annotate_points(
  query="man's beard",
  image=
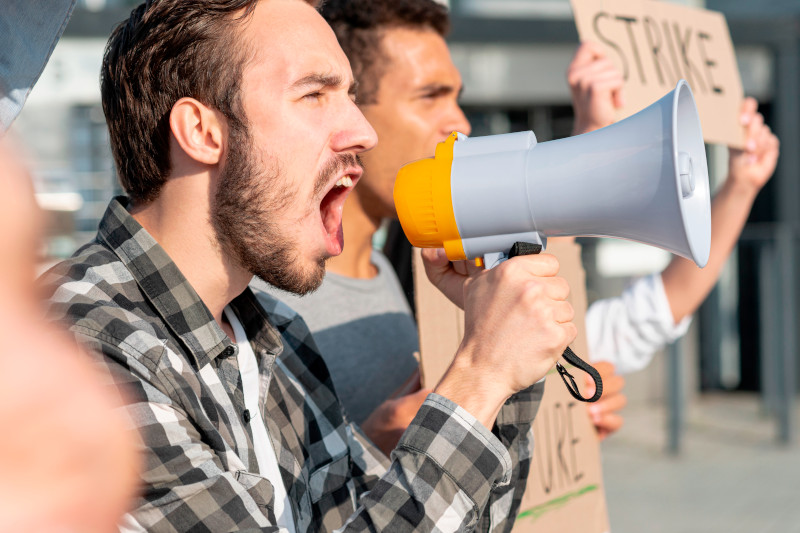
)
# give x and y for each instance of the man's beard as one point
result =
(247, 211)
(247, 207)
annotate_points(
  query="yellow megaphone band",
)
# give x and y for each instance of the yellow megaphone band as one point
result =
(424, 203)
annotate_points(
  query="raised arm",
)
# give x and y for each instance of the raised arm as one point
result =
(686, 285)
(597, 92)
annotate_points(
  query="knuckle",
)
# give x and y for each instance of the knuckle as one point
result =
(569, 312)
(507, 271)
(571, 331)
(550, 263)
(553, 343)
(533, 291)
(561, 286)
(469, 282)
(553, 338)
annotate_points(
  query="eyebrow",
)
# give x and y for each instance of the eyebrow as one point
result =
(440, 89)
(323, 81)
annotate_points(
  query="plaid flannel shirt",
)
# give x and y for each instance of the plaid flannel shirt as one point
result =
(124, 299)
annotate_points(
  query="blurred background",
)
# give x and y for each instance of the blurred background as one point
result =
(710, 437)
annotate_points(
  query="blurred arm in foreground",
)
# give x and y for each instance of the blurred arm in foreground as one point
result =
(67, 461)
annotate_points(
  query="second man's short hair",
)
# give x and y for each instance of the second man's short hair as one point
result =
(359, 27)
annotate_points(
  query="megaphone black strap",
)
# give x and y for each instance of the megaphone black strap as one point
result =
(572, 387)
(527, 248)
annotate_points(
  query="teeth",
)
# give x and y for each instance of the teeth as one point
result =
(346, 181)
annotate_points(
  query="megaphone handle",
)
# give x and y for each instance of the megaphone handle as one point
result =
(526, 248)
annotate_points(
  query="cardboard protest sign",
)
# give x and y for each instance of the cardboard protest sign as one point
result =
(655, 44)
(565, 487)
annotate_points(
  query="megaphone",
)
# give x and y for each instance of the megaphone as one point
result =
(644, 178)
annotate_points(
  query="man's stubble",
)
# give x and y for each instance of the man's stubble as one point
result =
(248, 215)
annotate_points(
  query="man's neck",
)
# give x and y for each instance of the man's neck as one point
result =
(359, 226)
(186, 234)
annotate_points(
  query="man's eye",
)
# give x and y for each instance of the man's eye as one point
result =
(436, 94)
(316, 95)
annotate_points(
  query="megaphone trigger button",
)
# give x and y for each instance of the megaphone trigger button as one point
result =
(479, 262)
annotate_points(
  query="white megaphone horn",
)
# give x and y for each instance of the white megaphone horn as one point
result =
(644, 179)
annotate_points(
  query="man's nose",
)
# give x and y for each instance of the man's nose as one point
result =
(357, 133)
(456, 121)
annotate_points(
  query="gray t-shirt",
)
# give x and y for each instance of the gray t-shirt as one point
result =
(365, 332)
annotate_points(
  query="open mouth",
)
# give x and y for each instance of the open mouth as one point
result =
(331, 208)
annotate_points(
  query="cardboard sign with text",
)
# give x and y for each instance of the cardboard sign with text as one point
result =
(565, 487)
(655, 44)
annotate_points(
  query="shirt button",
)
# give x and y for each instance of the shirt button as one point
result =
(227, 352)
(246, 416)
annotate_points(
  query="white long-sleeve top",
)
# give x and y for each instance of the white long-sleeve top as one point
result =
(627, 330)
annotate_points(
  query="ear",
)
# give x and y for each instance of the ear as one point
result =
(198, 130)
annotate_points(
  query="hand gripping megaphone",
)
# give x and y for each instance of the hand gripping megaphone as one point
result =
(644, 178)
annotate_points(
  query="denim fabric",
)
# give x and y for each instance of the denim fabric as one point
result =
(29, 30)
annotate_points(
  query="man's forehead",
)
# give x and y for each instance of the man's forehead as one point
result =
(419, 57)
(293, 43)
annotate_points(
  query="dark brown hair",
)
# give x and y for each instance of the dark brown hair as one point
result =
(167, 50)
(359, 26)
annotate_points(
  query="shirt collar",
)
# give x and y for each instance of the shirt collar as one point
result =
(253, 318)
(163, 284)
